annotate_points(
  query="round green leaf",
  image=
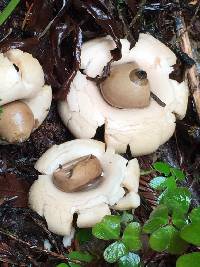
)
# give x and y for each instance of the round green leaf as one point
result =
(178, 174)
(126, 217)
(162, 167)
(62, 265)
(171, 183)
(160, 239)
(177, 245)
(195, 215)
(191, 233)
(108, 228)
(83, 235)
(131, 236)
(71, 264)
(158, 218)
(80, 255)
(177, 199)
(115, 251)
(189, 260)
(130, 260)
(179, 219)
(158, 183)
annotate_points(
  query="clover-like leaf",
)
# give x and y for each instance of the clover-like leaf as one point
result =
(160, 239)
(71, 264)
(189, 260)
(191, 233)
(81, 256)
(83, 235)
(177, 245)
(115, 251)
(171, 183)
(195, 215)
(158, 218)
(179, 174)
(179, 219)
(108, 228)
(129, 260)
(162, 167)
(177, 199)
(126, 217)
(131, 236)
(158, 183)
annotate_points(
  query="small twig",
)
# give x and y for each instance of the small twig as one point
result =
(139, 13)
(26, 16)
(157, 99)
(7, 34)
(146, 172)
(38, 249)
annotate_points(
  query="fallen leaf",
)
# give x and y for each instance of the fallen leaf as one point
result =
(12, 186)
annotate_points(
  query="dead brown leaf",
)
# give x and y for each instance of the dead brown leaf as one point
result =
(11, 186)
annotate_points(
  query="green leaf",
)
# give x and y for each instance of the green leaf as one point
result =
(8, 10)
(177, 245)
(162, 167)
(191, 233)
(130, 260)
(115, 251)
(161, 196)
(189, 260)
(158, 183)
(62, 265)
(177, 199)
(195, 215)
(179, 219)
(80, 255)
(74, 265)
(171, 183)
(126, 217)
(83, 235)
(108, 228)
(160, 239)
(158, 218)
(131, 236)
(180, 175)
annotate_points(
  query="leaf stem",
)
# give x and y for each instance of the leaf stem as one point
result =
(146, 172)
(8, 10)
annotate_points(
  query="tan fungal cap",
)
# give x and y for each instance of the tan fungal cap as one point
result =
(126, 87)
(77, 174)
(16, 122)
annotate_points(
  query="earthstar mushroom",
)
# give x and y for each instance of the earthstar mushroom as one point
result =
(144, 126)
(119, 177)
(22, 89)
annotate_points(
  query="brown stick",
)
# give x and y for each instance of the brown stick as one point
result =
(192, 73)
